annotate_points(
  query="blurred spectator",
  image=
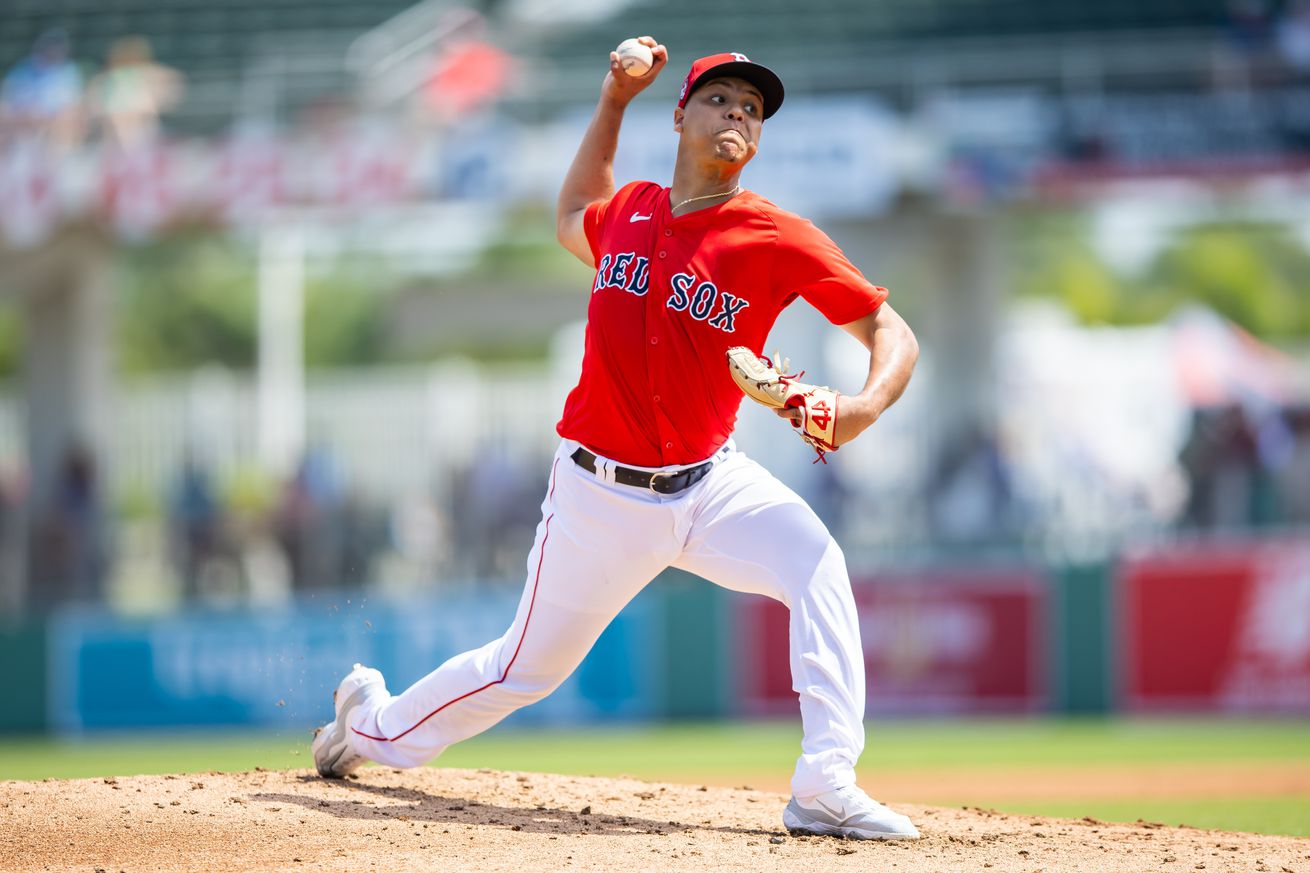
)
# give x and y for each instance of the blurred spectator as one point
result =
(468, 72)
(331, 536)
(42, 94)
(420, 534)
(362, 533)
(70, 558)
(1294, 480)
(198, 532)
(1293, 35)
(1220, 461)
(494, 513)
(1274, 444)
(13, 529)
(303, 522)
(970, 496)
(1244, 50)
(129, 95)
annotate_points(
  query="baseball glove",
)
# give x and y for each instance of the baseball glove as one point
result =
(777, 389)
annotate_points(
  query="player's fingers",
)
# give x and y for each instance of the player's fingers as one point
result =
(660, 54)
(648, 41)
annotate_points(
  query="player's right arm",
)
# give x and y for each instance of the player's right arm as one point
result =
(591, 176)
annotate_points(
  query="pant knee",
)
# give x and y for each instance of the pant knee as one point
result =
(833, 558)
(526, 688)
(802, 543)
(814, 556)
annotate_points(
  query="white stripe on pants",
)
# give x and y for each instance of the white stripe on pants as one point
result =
(597, 546)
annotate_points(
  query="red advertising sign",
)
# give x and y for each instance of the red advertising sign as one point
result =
(952, 641)
(1218, 627)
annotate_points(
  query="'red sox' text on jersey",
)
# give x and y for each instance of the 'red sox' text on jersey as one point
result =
(670, 296)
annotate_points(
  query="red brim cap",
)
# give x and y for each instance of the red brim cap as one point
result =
(738, 65)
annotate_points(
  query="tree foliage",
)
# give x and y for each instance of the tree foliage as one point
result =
(1257, 275)
(192, 300)
(186, 301)
(344, 316)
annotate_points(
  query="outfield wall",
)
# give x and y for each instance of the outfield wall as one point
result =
(1212, 628)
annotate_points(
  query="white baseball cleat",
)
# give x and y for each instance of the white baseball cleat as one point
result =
(333, 755)
(846, 812)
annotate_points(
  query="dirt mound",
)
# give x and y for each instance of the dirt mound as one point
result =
(437, 819)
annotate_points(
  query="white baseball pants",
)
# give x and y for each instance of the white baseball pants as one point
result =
(597, 546)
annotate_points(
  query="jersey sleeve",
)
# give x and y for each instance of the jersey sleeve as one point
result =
(808, 263)
(595, 220)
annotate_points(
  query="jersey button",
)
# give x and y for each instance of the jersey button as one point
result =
(663, 255)
(657, 398)
(668, 445)
(668, 232)
(654, 340)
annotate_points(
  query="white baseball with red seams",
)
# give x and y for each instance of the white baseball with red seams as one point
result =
(635, 57)
(647, 476)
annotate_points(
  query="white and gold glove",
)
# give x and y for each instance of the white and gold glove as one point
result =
(774, 387)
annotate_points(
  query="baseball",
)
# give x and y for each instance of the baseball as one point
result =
(635, 57)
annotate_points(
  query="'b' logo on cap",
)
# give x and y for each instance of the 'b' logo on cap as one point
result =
(738, 56)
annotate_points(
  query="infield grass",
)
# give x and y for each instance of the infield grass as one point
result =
(762, 754)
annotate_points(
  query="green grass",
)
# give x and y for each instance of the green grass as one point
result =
(744, 751)
(755, 747)
(1257, 815)
(721, 748)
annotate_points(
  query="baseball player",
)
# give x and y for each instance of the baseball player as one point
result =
(647, 476)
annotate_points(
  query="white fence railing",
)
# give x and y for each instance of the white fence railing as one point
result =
(388, 431)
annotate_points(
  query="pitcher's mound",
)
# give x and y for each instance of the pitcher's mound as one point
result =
(436, 819)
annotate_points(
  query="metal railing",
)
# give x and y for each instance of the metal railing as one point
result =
(907, 70)
(394, 59)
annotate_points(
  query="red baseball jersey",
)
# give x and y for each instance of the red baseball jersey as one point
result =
(671, 296)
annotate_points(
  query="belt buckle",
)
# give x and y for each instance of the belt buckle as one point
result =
(654, 477)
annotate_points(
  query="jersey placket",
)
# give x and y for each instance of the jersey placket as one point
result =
(659, 334)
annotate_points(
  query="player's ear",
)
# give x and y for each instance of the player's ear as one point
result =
(678, 113)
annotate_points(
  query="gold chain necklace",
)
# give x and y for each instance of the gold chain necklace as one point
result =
(735, 189)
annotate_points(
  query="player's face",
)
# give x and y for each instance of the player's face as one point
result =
(723, 118)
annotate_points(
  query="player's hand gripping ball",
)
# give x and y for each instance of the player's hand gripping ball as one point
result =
(635, 57)
(773, 386)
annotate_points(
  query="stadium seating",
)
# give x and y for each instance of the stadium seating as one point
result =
(820, 42)
(188, 34)
(782, 25)
(212, 42)
(885, 45)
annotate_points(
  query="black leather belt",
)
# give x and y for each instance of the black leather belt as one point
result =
(659, 482)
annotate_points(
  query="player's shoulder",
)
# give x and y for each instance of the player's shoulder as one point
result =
(634, 197)
(638, 193)
(790, 226)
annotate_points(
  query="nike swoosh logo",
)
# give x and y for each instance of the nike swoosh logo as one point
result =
(839, 814)
(635, 218)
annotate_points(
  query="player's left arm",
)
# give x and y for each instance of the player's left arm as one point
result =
(893, 351)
